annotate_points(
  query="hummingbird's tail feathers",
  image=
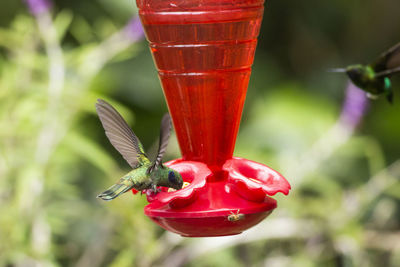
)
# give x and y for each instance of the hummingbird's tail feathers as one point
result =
(341, 70)
(389, 97)
(114, 191)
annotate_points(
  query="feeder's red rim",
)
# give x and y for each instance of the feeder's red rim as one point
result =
(206, 213)
(279, 185)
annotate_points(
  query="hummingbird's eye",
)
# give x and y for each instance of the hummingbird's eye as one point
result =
(171, 177)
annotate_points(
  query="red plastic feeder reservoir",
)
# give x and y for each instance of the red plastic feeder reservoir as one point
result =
(203, 50)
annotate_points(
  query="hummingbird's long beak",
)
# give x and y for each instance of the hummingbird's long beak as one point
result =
(341, 70)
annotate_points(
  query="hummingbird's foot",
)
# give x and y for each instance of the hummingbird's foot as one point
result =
(155, 189)
(372, 96)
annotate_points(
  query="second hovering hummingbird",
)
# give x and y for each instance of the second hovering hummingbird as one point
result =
(374, 78)
(145, 174)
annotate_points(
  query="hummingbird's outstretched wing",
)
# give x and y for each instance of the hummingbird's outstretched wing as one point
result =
(386, 73)
(388, 59)
(165, 133)
(120, 134)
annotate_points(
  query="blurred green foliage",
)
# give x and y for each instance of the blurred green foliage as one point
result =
(344, 208)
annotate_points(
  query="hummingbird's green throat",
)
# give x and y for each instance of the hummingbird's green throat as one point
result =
(145, 174)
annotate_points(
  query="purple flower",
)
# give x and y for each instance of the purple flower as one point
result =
(354, 107)
(134, 29)
(37, 7)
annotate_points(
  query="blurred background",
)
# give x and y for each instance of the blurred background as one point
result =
(339, 150)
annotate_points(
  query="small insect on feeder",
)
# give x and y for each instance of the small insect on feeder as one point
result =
(203, 50)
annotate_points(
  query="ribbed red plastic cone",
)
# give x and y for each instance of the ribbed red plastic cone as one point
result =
(203, 50)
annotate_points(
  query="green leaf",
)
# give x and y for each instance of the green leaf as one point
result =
(90, 151)
(62, 23)
(81, 30)
(124, 258)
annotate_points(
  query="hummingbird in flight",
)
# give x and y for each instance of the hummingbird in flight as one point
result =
(374, 78)
(146, 174)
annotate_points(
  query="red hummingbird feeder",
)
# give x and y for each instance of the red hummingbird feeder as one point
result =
(203, 50)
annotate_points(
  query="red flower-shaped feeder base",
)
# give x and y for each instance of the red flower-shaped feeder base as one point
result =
(217, 203)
